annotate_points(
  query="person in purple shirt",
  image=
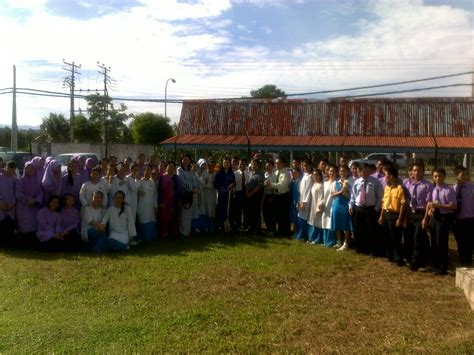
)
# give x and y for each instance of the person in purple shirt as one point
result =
(364, 206)
(52, 184)
(438, 218)
(408, 180)
(82, 171)
(71, 182)
(7, 204)
(70, 222)
(49, 231)
(464, 223)
(416, 242)
(378, 174)
(38, 164)
(30, 197)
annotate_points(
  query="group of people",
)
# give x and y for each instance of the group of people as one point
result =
(371, 207)
(112, 205)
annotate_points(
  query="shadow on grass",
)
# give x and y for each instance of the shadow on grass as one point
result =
(169, 247)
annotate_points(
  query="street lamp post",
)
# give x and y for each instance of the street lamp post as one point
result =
(166, 92)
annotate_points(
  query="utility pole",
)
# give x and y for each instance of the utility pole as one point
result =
(70, 81)
(14, 138)
(105, 72)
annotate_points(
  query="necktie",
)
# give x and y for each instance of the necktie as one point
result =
(414, 202)
(437, 200)
(362, 194)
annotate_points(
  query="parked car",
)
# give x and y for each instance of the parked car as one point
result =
(399, 159)
(20, 158)
(64, 159)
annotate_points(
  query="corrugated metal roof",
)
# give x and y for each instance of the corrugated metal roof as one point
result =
(337, 117)
(325, 143)
(461, 143)
(400, 124)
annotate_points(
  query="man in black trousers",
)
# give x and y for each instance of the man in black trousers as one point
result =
(364, 206)
(281, 197)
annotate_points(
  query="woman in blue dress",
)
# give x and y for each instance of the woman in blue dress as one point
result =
(340, 217)
(295, 197)
(224, 182)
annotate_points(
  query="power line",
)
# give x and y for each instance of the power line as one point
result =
(405, 91)
(380, 85)
(71, 81)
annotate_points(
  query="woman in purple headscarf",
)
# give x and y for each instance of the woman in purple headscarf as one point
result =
(29, 196)
(82, 169)
(52, 184)
(49, 231)
(70, 222)
(7, 204)
(72, 182)
(38, 164)
(47, 161)
(90, 164)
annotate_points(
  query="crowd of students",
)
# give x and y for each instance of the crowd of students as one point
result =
(117, 204)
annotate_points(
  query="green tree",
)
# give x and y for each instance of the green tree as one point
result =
(150, 128)
(86, 131)
(268, 91)
(118, 132)
(55, 128)
(5, 137)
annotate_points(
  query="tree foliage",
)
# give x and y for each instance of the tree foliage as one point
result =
(55, 128)
(25, 137)
(268, 91)
(86, 131)
(150, 128)
(115, 118)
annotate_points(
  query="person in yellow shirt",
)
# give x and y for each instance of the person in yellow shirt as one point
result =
(392, 216)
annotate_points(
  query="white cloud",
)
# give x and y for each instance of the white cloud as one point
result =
(403, 40)
(264, 3)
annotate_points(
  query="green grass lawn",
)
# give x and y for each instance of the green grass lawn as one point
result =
(226, 294)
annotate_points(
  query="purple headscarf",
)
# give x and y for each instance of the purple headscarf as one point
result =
(51, 184)
(31, 185)
(39, 170)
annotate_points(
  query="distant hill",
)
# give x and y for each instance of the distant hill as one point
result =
(22, 127)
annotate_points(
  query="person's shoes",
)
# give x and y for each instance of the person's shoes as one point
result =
(337, 246)
(270, 234)
(133, 243)
(345, 246)
(400, 263)
(312, 243)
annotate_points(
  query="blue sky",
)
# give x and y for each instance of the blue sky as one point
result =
(225, 48)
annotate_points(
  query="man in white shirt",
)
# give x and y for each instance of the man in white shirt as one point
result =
(280, 183)
(237, 196)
